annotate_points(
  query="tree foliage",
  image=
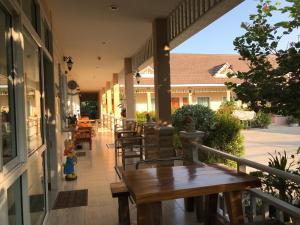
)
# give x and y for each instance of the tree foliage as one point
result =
(272, 82)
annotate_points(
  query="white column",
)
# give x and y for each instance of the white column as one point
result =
(190, 98)
(129, 90)
(228, 96)
(149, 102)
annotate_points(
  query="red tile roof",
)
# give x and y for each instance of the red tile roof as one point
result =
(200, 68)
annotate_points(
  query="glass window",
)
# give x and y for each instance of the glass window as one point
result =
(33, 94)
(14, 201)
(203, 101)
(175, 103)
(31, 9)
(47, 36)
(7, 118)
(36, 191)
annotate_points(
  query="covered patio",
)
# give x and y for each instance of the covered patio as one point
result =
(126, 172)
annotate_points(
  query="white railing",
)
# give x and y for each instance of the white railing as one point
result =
(256, 196)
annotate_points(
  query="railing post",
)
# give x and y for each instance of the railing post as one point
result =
(241, 168)
(252, 215)
(265, 210)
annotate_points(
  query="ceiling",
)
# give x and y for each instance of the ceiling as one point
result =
(88, 29)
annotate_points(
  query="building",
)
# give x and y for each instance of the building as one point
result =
(195, 79)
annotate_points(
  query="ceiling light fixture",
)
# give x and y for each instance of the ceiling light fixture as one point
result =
(114, 7)
(68, 60)
(138, 77)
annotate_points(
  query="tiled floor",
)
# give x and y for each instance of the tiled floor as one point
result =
(95, 173)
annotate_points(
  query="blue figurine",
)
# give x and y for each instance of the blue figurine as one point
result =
(70, 161)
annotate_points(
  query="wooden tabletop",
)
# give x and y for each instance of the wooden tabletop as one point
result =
(165, 183)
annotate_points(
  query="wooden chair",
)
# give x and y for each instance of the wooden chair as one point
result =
(83, 135)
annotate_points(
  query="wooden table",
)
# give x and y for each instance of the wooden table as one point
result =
(149, 187)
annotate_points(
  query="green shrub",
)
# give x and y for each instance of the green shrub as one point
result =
(227, 107)
(279, 187)
(202, 116)
(226, 136)
(262, 120)
(141, 116)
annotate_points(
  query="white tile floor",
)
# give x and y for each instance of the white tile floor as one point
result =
(95, 173)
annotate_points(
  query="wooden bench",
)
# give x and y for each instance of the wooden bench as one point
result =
(120, 191)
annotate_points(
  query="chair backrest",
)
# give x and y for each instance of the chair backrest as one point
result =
(130, 125)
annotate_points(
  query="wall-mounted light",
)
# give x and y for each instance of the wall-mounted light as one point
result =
(68, 60)
(138, 77)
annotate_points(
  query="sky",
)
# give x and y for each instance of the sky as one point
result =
(218, 37)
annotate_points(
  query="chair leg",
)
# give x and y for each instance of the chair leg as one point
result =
(199, 204)
(189, 204)
(234, 206)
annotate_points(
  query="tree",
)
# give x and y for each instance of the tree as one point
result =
(272, 83)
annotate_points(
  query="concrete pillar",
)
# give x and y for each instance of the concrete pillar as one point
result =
(149, 102)
(190, 98)
(161, 61)
(108, 97)
(116, 95)
(228, 96)
(129, 89)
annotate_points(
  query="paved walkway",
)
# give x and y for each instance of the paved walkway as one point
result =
(260, 142)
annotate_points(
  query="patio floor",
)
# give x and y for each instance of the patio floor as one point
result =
(95, 173)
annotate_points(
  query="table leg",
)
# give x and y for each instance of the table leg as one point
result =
(211, 216)
(234, 207)
(149, 214)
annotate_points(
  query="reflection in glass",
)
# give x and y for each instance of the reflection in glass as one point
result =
(31, 10)
(14, 202)
(6, 91)
(33, 93)
(36, 190)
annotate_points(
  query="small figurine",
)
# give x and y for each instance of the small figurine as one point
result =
(70, 161)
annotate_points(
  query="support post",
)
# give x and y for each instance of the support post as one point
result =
(109, 97)
(190, 98)
(161, 61)
(149, 103)
(129, 90)
(117, 101)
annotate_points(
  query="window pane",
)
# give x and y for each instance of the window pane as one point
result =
(185, 101)
(203, 101)
(33, 94)
(14, 201)
(6, 92)
(36, 190)
(175, 103)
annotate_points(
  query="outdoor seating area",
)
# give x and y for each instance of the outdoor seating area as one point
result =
(216, 193)
(84, 132)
